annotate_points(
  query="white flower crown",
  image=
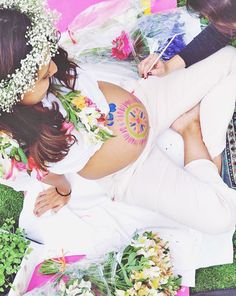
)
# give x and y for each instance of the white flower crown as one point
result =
(42, 36)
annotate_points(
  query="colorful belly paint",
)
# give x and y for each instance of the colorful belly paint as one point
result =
(132, 121)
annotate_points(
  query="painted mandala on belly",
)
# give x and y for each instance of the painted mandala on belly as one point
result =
(133, 122)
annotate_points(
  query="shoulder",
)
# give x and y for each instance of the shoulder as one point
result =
(213, 33)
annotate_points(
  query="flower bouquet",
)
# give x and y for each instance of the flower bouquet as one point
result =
(97, 32)
(83, 115)
(113, 40)
(142, 268)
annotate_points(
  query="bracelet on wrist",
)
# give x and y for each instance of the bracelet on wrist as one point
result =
(63, 194)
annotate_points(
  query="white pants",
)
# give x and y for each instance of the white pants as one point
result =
(194, 195)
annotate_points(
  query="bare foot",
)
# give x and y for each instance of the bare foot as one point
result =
(187, 121)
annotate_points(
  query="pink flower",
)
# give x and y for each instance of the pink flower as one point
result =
(10, 173)
(89, 103)
(68, 127)
(71, 35)
(20, 166)
(33, 166)
(122, 48)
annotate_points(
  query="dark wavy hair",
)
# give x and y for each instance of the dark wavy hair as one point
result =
(222, 13)
(36, 128)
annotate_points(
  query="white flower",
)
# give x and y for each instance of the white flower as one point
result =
(85, 284)
(120, 293)
(5, 164)
(62, 286)
(143, 242)
(152, 272)
(73, 292)
(137, 285)
(147, 253)
(132, 292)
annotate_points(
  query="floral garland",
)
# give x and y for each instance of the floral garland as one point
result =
(82, 114)
(42, 36)
(13, 158)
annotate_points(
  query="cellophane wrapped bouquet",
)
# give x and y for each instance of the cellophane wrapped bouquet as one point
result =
(142, 268)
(119, 31)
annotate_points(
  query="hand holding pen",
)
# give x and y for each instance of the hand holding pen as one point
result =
(153, 65)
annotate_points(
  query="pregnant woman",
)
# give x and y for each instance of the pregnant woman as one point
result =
(56, 118)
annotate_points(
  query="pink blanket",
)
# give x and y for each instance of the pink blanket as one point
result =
(71, 8)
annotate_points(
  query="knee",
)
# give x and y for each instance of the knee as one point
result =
(220, 218)
(220, 225)
(228, 51)
(229, 54)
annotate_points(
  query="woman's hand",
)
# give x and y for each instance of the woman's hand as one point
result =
(50, 200)
(159, 69)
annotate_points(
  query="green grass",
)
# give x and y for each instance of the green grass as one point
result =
(217, 277)
(10, 204)
(181, 2)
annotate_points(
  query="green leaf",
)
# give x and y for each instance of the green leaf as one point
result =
(22, 155)
(73, 118)
(131, 258)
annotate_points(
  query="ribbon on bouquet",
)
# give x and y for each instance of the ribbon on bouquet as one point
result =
(39, 279)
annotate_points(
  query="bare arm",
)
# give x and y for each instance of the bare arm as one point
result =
(203, 45)
(51, 199)
(58, 181)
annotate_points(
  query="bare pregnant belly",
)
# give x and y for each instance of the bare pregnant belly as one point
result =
(128, 120)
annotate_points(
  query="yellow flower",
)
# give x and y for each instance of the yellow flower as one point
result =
(155, 283)
(144, 291)
(137, 275)
(79, 102)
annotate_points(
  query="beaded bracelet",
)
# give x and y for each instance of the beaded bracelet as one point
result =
(63, 194)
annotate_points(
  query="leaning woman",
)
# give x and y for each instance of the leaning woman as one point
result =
(56, 118)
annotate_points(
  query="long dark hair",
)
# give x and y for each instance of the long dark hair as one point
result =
(222, 13)
(36, 128)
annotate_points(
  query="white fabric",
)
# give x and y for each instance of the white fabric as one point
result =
(93, 224)
(83, 149)
(172, 190)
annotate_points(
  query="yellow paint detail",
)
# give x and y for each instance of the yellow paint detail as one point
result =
(146, 4)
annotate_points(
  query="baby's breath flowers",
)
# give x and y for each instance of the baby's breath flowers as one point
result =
(42, 36)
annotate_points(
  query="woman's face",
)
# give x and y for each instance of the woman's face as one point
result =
(41, 85)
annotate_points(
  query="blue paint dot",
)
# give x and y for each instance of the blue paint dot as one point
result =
(110, 116)
(112, 107)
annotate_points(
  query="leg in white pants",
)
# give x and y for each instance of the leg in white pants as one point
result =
(196, 195)
(169, 97)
